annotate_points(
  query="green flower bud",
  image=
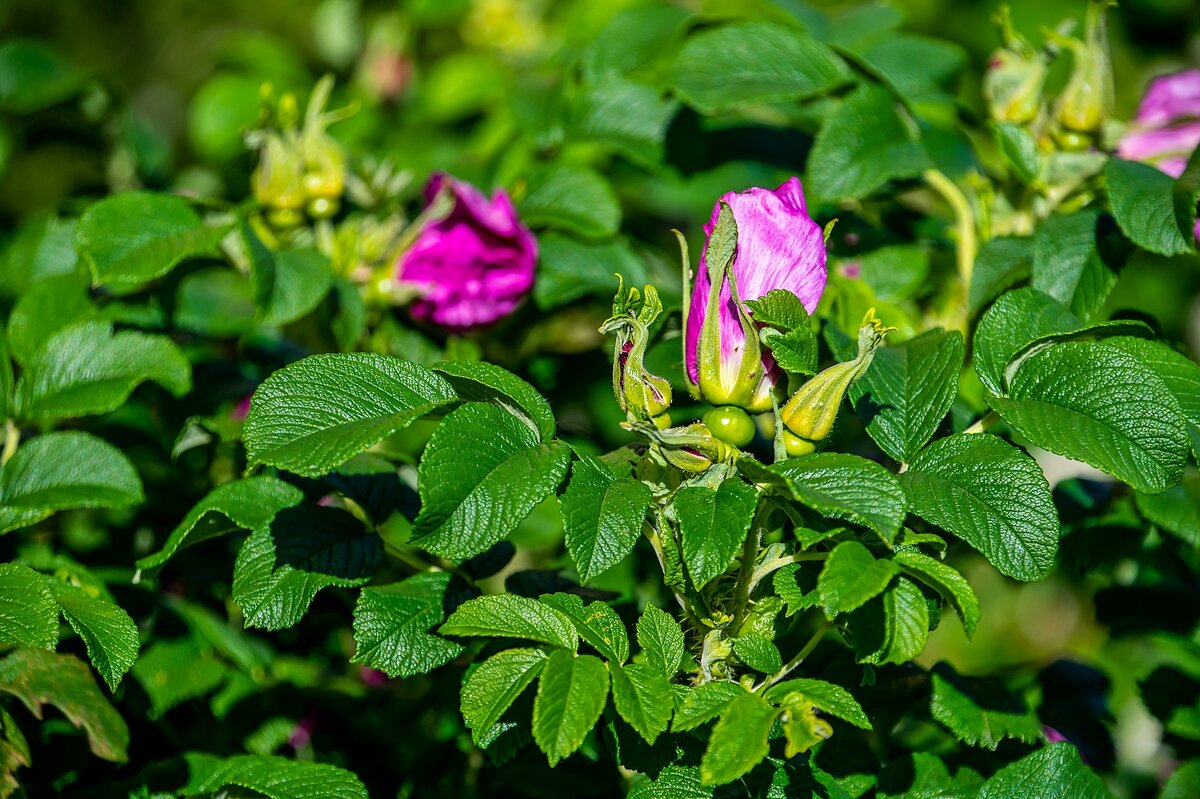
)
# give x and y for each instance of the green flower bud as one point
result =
(640, 394)
(811, 411)
(1087, 100)
(277, 181)
(690, 448)
(1012, 84)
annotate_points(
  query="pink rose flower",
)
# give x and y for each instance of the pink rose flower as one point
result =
(472, 267)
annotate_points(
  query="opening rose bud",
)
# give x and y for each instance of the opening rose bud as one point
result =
(472, 266)
(756, 241)
(640, 394)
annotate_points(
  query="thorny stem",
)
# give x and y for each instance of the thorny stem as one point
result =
(746, 575)
(12, 437)
(983, 424)
(791, 665)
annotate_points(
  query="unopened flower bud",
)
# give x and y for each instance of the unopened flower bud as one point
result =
(640, 394)
(811, 411)
(1087, 100)
(1016, 72)
(690, 448)
(278, 180)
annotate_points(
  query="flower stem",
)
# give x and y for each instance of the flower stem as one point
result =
(791, 665)
(12, 437)
(989, 419)
(964, 220)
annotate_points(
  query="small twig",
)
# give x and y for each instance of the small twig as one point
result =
(989, 419)
(791, 665)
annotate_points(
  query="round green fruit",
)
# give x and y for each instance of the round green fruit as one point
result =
(731, 425)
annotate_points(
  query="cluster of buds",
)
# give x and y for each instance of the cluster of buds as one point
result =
(301, 168)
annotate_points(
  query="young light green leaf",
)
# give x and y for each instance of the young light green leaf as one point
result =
(744, 63)
(280, 569)
(847, 487)
(713, 525)
(947, 581)
(483, 471)
(704, 703)
(863, 144)
(661, 639)
(852, 576)
(57, 471)
(757, 652)
(110, 635)
(1055, 772)
(1176, 510)
(1020, 148)
(495, 685)
(1100, 405)
(739, 740)
(512, 616)
(981, 712)
(573, 198)
(597, 624)
(247, 504)
(643, 697)
(38, 678)
(174, 671)
(832, 699)
(673, 782)
(86, 368)
(1076, 258)
(280, 778)
(129, 239)
(314, 415)
(891, 628)
(603, 516)
(572, 692)
(1142, 200)
(477, 381)
(908, 390)
(990, 494)
(28, 612)
(392, 622)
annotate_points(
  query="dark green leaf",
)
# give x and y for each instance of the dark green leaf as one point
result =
(1176, 510)
(477, 381)
(392, 623)
(1142, 200)
(569, 269)
(1002, 262)
(33, 77)
(573, 198)
(495, 685)
(512, 616)
(1179, 374)
(713, 525)
(673, 782)
(891, 628)
(603, 516)
(1055, 772)
(1075, 260)
(643, 697)
(947, 581)
(981, 712)
(28, 612)
(847, 487)
(597, 624)
(572, 692)
(1020, 148)
(280, 778)
(110, 635)
(630, 118)
(49, 305)
(852, 576)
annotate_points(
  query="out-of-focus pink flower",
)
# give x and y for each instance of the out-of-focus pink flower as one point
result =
(778, 247)
(301, 734)
(473, 266)
(372, 678)
(238, 412)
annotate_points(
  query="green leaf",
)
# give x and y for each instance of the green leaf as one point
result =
(6, 378)
(713, 525)
(314, 415)
(673, 782)
(1020, 148)
(852, 576)
(38, 678)
(1100, 405)
(58, 471)
(129, 239)
(704, 703)
(863, 144)
(392, 623)
(990, 494)
(757, 652)
(847, 487)
(247, 504)
(779, 308)
(661, 639)
(897, 272)
(477, 381)
(632, 40)
(788, 587)
(569, 269)
(627, 117)
(921, 775)
(572, 198)
(597, 624)
(483, 471)
(947, 581)
(602, 515)
(1142, 200)
(572, 692)
(214, 301)
(1179, 374)
(1055, 772)
(832, 699)
(788, 333)
(1185, 195)
(48, 306)
(1016, 320)
(28, 612)
(1002, 262)
(981, 712)
(495, 685)
(512, 616)
(34, 77)
(172, 672)
(643, 697)
(1184, 783)
(280, 569)
(302, 278)
(1176, 510)
(908, 390)
(1075, 260)
(891, 628)
(280, 778)
(86, 368)
(739, 740)
(110, 635)
(744, 63)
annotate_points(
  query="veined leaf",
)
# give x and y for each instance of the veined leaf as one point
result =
(495, 685)
(1055, 772)
(280, 778)
(572, 692)
(947, 581)
(512, 616)
(847, 487)
(852, 576)
(392, 622)
(891, 628)
(713, 526)
(704, 703)
(1142, 201)
(174, 671)
(110, 635)
(597, 624)
(603, 516)
(833, 699)
(643, 697)
(28, 612)
(661, 639)
(1076, 258)
(477, 381)
(739, 740)
(757, 652)
(981, 712)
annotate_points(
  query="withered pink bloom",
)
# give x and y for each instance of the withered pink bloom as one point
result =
(778, 247)
(472, 267)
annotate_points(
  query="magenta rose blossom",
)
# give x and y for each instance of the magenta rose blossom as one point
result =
(472, 267)
(778, 247)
